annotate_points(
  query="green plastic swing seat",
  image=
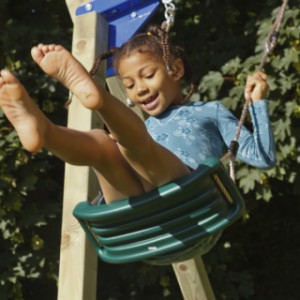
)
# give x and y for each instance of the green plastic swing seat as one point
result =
(172, 223)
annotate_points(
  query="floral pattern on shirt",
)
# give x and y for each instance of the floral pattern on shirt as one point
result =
(200, 130)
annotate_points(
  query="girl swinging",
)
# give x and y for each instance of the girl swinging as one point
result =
(136, 157)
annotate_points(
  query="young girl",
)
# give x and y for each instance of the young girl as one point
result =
(135, 158)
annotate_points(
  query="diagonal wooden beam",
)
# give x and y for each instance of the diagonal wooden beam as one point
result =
(193, 280)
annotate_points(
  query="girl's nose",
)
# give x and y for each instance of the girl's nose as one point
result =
(142, 89)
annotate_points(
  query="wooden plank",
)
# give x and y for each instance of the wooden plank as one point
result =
(193, 280)
(78, 261)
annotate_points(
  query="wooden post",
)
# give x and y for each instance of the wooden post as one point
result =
(78, 261)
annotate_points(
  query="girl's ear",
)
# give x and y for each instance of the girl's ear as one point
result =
(177, 70)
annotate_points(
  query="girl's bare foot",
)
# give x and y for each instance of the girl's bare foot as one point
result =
(59, 63)
(28, 120)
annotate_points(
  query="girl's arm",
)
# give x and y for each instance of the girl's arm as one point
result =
(257, 147)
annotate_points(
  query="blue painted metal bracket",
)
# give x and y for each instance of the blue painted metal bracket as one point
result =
(125, 18)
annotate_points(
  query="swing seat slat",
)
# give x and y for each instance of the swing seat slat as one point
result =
(166, 214)
(167, 226)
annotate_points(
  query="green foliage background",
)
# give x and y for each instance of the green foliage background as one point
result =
(258, 258)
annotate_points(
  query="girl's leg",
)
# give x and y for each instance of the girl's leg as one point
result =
(94, 148)
(22, 112)
(154, 164)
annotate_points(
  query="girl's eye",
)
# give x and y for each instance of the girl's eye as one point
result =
(150, 76)
(129, 87)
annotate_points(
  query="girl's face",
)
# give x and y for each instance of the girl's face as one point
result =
(149, 84)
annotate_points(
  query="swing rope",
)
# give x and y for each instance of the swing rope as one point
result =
(270, 44)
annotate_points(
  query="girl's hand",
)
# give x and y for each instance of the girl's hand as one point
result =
(257, 87)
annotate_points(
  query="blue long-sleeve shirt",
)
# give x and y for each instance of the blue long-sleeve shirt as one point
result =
(200, 130)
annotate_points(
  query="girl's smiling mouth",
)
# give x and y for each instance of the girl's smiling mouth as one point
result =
(151, 102)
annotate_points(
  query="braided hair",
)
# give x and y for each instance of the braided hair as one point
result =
(155, 42)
